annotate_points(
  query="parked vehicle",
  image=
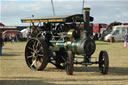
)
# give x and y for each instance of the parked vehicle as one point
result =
(104, 33)
(108, 29)
(118, 33)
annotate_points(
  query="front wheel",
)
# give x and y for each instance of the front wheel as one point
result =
(36, 54)
(103, 62)
(69, 63)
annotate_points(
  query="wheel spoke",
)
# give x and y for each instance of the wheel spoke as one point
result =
(33, 62)
(29, 56)
(40, 55)
(34, 44)
(39, 50)
(30, 48)
(33, 47)
(37, 45)
(31, 52)
(36, 63)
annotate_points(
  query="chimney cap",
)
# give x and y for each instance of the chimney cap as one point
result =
(86, 9)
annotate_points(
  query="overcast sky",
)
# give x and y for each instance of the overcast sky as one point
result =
(103, 11)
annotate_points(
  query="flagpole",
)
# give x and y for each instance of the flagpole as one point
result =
(53, 7)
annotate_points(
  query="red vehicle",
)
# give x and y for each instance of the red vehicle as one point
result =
(98, 27)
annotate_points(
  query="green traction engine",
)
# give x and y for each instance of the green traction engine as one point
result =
(62, 41)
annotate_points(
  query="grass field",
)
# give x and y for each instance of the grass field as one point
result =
(14, 71)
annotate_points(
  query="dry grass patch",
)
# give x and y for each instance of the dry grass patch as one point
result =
(14, 71)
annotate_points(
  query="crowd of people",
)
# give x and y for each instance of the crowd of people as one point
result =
(11, 37)
(8, 38)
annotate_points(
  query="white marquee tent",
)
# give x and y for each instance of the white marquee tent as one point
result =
(24, 33)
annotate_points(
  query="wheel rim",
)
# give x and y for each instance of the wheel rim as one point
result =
(102, 64)
(34, 54)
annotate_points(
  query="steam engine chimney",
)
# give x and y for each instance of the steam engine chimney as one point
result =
(86, 16)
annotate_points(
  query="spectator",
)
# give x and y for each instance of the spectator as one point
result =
(17, 37)
(13, 38)
(5, 38)
(126, 40)
(1, 43)
(96, 37)
(10, 38)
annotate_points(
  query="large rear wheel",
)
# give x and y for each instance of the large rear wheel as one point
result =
(36, 54)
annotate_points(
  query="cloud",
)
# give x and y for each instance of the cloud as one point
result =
(13, 10)
(107, 11)
(102, 10)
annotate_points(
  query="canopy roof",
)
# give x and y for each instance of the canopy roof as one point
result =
(68, 18)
